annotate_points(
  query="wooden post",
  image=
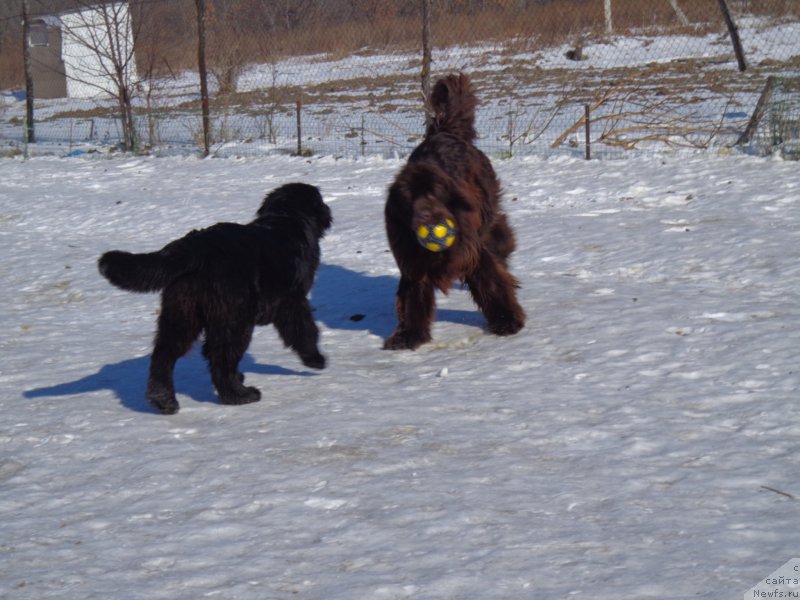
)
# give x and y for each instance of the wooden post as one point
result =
(30, 134)
(299, 108)
(426, 56)
(586, 117)
(363, 136)
(678, 12)
(510, 134)
(758, 112)
(201, 66)
(609, 22)
(734, 33)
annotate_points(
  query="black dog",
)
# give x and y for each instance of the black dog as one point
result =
(448, 178)
(225, 280)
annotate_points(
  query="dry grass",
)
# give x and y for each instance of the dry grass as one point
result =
(539, 25)
(167, 40)
(12, 73)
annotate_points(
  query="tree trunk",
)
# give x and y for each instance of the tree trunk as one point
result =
(128, 122)
(609, 22)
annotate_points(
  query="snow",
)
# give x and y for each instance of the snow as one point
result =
(775, 41)
(639, 438)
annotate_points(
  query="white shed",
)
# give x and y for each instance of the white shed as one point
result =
(89, 39)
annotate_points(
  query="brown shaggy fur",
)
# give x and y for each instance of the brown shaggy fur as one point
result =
(448, 177)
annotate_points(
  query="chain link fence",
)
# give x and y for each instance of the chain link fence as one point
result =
(346, 77)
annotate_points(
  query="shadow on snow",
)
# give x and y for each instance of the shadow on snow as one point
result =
(342, 299)
(127, 379)
(346, 299)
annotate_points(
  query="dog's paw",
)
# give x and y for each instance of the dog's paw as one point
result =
(314, 361)
(405, 340)
(506, 326)
(245, 395)
(163, 402)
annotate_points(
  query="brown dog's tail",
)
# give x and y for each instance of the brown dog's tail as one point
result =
(452, 105)
(148, 272)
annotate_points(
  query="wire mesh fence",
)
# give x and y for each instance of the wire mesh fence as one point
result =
(346, 77)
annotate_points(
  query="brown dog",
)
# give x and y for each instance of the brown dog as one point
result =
(447, 177)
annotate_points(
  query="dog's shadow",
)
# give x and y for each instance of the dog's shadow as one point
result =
(127, 379)
(342, 299)
(346, 299)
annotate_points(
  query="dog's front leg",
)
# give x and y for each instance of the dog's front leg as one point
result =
(415, 307)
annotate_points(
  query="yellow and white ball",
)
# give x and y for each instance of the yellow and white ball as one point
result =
(437, 237)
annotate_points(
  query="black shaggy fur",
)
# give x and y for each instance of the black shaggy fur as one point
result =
(447, 177)
(225, 280)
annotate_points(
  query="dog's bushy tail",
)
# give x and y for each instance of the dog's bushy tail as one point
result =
(452, 103)
(148, 272)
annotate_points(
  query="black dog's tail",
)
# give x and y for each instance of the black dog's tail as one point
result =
(452, 103)
(148, 272)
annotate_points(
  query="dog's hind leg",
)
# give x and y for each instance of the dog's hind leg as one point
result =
(294, 321)
(224, 348)
(501, 241)
(493, 289)
(178, 328)
(415, 307)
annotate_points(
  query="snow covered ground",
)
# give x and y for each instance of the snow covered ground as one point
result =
(638, 439)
